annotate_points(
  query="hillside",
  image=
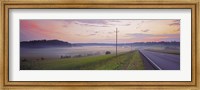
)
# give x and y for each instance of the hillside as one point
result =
(44, 44)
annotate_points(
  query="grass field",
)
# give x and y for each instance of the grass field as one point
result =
(125, 61)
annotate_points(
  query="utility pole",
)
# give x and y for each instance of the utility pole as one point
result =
(116, 41)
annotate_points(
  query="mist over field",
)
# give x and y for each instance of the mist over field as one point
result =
(31, 57)
(57, 52)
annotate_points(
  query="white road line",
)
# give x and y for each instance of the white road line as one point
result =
(152, 62)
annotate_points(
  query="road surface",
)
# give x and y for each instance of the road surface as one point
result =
(163, 61)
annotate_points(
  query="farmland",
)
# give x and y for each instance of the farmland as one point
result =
(124, 61)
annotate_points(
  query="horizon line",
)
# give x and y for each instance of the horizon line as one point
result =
(96, 42)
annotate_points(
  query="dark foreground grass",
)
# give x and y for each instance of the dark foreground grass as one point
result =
(126, 61)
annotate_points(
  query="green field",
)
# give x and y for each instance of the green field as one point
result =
(125, 61)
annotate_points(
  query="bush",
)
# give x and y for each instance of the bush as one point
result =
(108, 52)
(24, 60)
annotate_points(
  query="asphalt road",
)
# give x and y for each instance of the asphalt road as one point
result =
(163, 61)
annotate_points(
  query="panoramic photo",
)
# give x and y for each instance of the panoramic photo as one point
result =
(100, 44)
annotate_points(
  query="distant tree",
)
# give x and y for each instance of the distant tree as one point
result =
(24, 60)
(61, 56)
(76, 56)
(108, 52)
(67, 56)
(42, 58)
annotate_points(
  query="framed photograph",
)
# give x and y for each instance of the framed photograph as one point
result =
(100, 44)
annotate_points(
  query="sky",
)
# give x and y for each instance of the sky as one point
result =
(100, 30)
